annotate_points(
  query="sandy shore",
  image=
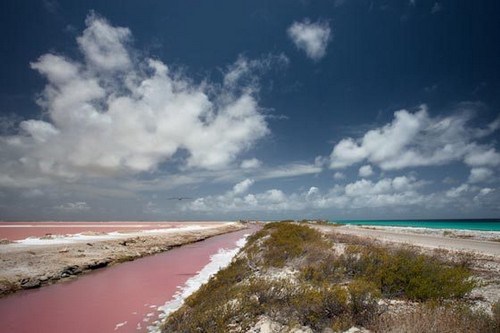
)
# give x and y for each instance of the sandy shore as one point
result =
(35, 261)
(476, 241)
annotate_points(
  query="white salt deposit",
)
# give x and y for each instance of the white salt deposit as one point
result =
(82, 237)
(217, 262)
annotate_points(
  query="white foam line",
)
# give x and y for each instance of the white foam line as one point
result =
(217, 262)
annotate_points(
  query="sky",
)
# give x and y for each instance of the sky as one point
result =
(335, 109)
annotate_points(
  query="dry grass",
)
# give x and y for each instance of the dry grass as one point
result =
(454, 318)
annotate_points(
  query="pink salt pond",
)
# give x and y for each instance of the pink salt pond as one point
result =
(22, 230)
(122, 298)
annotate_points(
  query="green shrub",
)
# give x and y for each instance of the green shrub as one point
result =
(288, 241)
(364, 296)
(319, 308)
(403, 272)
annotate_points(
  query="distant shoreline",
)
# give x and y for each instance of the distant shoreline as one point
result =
(452, 224)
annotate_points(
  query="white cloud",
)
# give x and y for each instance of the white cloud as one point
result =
(478, 175)
(338, 175)
(251, 164)
(290, 170)
(388, 192)
(458, 191)
(115, 114)
(311, 37)
(365, 171)
(243, 186)
(232, 201)
(416, 139)
(104, 46)
(482, 156)
(73, 206)
(401, 193)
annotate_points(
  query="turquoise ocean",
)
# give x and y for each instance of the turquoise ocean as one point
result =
(474, 224)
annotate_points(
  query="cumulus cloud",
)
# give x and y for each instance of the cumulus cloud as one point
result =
(387, 192)
(243, 186)
(311, 37)
(417, 139)
(114, 113)
(232, 201)
(365, 171)
(479, 175)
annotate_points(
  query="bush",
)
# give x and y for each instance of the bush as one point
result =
(288, 241)
(364, 301)
(403, 272)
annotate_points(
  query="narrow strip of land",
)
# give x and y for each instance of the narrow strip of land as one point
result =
(35, 262)
(426, 240)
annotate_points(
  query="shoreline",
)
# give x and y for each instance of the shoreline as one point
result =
(480, 242)
(35, 262)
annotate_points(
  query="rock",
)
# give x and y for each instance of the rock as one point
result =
(90, 244)
(71, 270)
(98, 264)
(355, 329)
(254, 299)
(30, 283)
(5, 241)
(127, 241)
(266, 325)
(44, 278)
(65, 250)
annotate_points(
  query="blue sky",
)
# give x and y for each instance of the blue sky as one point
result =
(339, 109)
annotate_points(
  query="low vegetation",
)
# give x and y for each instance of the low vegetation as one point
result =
(295, 276)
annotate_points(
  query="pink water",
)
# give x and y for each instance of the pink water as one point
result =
(97, 302)
(22, 230)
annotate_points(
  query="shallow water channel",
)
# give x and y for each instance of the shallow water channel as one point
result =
(121, 298)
